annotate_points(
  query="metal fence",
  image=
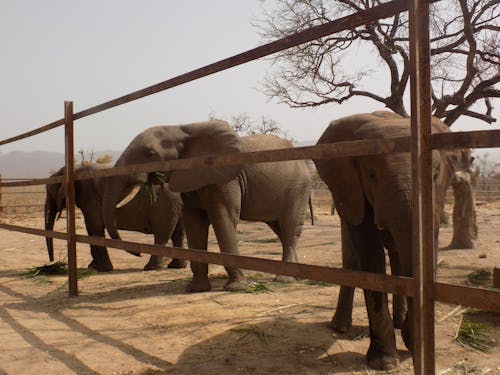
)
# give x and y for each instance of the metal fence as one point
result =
(422, 287)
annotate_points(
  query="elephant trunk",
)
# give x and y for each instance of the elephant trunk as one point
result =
(51, 212)
(114, 190)
(111, 197)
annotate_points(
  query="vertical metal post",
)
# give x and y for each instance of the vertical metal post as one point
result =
(69, 185)
(423, 238)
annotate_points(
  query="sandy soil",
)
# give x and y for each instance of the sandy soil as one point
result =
(135, 322)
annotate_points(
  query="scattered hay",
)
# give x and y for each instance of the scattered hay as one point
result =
(480, 277)
(56, 268)
(477, 335)
(252, 330)
(257, 287)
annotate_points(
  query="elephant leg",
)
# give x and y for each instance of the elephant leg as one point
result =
(156, 262)
(368, 246)
(224, 220)
(275, 227)
(100, 257)
(196, 223)
(399, 307)
(178, 241)
(342, 319)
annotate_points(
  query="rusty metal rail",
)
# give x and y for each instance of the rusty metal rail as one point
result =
(478, 139)
(467, 296)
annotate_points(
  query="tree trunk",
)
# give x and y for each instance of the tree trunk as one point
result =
(464, 212)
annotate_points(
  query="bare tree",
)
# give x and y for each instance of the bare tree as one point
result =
(465, 61)
(487, 168)
(243, 124)
(465, 50)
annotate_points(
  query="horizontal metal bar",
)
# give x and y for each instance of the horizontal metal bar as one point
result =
(34, 182)
(344, 23)
(473, 139)
(4, 192)
(393, 284)
(469, 139)
(23, 205)
(34, 231)
(487, 299)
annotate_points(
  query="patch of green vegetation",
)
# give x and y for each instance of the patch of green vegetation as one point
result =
(56, 268)
(480, 277)
(155, 178)
(257, 287)
(477, 335)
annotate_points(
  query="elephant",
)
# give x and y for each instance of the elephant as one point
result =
(276, 193)
(161, 217)
(373, 197)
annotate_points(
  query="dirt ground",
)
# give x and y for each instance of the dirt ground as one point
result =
(135, 322)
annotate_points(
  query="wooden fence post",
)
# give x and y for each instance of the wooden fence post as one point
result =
(69, 185)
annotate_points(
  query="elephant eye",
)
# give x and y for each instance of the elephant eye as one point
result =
(150, 153)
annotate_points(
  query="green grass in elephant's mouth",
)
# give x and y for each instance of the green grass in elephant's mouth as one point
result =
(155, 178)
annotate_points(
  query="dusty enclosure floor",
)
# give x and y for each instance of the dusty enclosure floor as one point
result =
(135, 322)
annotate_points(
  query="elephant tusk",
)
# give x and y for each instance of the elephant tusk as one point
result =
(129, 197)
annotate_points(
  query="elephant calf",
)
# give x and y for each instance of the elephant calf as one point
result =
(161, 218)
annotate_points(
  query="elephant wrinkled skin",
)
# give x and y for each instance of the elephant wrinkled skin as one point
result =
(274, 193)
(161, 218)
(373, 198)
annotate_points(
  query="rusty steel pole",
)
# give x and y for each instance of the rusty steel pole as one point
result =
(423, 235)
(69, 186)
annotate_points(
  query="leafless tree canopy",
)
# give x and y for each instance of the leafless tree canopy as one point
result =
(465, 49)
(244, 124)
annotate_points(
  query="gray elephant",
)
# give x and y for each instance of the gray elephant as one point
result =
(372, 195)
(161, 218)
(274, 193)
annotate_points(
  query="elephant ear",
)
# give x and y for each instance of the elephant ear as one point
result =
(204, 139)
(347, 191)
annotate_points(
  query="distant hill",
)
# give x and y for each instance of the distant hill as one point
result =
(38, 164)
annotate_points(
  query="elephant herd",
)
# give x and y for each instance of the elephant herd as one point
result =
(372, 195)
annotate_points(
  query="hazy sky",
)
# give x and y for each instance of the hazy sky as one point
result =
(93, 51)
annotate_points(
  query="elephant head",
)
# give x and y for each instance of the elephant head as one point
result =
(163, 143)
(54, 204)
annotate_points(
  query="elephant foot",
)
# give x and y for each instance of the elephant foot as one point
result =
(236, 285)
(341, 324)
(108, 267)
(285, 279)
(153, 267)
(406, 335)
(156, 263)
(381, 361)
(198, 286)
(178, 263)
